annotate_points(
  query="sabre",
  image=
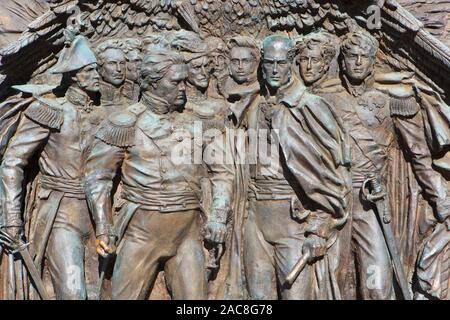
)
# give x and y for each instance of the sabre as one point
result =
(298, 268)
(18, 246)
(378, 197)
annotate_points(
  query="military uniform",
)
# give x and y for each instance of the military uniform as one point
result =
(277, 222)
(161, 219)
(60, 132)
(128, 93)
(378, 121)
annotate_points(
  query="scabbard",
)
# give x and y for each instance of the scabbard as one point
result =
(391, 244)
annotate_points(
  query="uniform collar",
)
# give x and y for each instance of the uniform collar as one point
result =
(291, 93)
(357, 91)
(155, 104)
(80, 99)
(110, 93)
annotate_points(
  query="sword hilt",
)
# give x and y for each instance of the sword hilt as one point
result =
(377, 193)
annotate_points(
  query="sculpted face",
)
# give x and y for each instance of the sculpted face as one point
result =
(242, 64)
(133, 64)
(199, 72)
(113, 70)
(276, 66)
(358, 63)
(312, 65)
(88, 78)
(172, 86)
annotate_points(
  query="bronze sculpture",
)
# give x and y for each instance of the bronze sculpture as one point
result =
(59, 131)
(275, 149)
(153, 121)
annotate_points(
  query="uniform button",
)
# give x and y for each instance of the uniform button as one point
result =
(163, 153)
(163, 170)
(180, 139)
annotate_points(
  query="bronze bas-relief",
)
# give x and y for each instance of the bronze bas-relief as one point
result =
(186, 150)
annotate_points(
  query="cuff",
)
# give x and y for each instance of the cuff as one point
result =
(219, 215)
(13, 220)
(104, 229)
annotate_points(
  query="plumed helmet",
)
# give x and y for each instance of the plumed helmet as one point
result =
(78, 55)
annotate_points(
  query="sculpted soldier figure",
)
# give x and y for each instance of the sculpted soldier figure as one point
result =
(241, 89)
(161, 220)
(277, 223)
(210, 111)
(242, 86)
(133, 51)
(59, 131)
(115, 88)
(379, 120)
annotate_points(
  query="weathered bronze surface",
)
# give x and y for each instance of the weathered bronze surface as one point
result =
(199, 149)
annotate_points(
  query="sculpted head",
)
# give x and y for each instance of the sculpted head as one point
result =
(78, 66)
(277, 57)
(244, 59)
(87, 78)
(163, 74)
(196, 54)
(218, 54)
(112, 61)
(316, 51)
(133, 54)
(358, 51)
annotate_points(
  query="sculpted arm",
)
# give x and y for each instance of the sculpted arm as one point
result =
(29, 137)
(101, 168)
(411, 132)
(222, 176)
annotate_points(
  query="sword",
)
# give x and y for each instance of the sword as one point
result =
(378, 197)
(298, 268)
(18, 246)
(301, 264)
(105, 264)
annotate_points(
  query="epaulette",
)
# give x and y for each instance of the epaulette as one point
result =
(46, 113)
(118, 129)
(402, 100)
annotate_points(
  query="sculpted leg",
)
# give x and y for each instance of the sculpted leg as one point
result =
(287, 236)
(258, 260)
(374, 265)
(185, 273)
(137, 260)
(66, 248)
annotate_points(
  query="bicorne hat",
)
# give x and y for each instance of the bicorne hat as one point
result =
(78, 55)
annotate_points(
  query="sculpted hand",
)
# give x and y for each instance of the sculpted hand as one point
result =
(315, 246)
(10, 237)
(105, 245)
(15, 232)
(215, 232)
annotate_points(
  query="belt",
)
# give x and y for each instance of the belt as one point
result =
(167, 201)
(69, 186)
(270, 190)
